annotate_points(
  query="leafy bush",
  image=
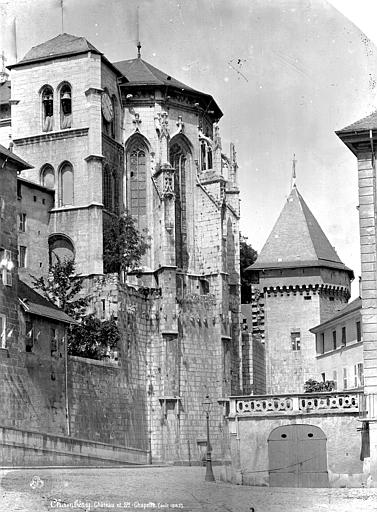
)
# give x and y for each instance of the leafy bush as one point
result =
(123, 244)
(313, 386)
(91, 337)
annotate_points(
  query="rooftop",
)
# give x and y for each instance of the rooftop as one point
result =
(297, 240)
(4, 92)
(61, 45)
(140, 73)
(21, 164)
(353, 306)
(366, 123)
(35, 304)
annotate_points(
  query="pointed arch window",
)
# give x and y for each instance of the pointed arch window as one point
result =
(65, 106)
(205, 155)
(47, 108)
(179, 161)
(113, 124)
(136, 163)
(66, 184)
(48, 176)
(110, 189)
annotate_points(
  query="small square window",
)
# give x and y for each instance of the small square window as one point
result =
(345, 378)
(3, 336)
(335, 379)
(344, 336)
(334, 340)
(296, 340)
(22, 222)
(22, 256)
(358, 331)
(29, 336)
(7, 277)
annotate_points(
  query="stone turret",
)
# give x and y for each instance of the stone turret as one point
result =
(304, 282)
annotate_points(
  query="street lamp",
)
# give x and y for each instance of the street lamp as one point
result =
(207, 404)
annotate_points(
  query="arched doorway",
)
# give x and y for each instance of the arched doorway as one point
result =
(297, 457)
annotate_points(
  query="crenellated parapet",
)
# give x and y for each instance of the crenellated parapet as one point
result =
(330, 290)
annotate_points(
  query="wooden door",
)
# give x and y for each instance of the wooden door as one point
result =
(297, 457)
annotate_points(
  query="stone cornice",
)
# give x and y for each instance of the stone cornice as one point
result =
(93, 90)
(81, 207)
(52, 136)
(99, 158)
(5, 122)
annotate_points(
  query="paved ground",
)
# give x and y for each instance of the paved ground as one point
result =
(168, 488)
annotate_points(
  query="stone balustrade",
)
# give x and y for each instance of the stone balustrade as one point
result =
(305, 403)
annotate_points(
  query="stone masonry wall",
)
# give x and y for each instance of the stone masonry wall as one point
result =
(35, 202)
(104, 405)
(185, 368)
(287, 369)
(367, 212)
(8, 241)
(250, 454)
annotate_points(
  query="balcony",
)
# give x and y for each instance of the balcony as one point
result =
(293, 404)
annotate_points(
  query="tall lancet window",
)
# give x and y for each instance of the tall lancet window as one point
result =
(48, 176)
(179, 160)
(66, 184)
(205, 155)
(110, 188)
(107, 188)
(137, 181)
(47, 109)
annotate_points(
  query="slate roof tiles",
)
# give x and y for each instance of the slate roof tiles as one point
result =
(297, 240)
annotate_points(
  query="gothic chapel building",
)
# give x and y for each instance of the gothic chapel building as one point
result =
(108, 136)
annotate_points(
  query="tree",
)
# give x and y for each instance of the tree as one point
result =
(313, 386)
(62, 288)
(247, 257)
(90, 337)
(123, 244)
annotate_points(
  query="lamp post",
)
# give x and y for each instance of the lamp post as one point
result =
(207, 404)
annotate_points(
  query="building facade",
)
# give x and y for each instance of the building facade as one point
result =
(360, 137)
(104, 137)
(339, 344)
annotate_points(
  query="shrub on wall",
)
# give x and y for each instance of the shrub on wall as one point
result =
(247, 257)
(313, 386)
(90, 337)
(93, 338)
(123, 244)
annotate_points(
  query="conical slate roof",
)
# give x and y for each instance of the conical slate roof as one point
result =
(297, 240)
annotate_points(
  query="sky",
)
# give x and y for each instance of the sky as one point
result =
(286, 74)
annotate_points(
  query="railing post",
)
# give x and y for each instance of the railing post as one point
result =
(232, 407)
(295, 403)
